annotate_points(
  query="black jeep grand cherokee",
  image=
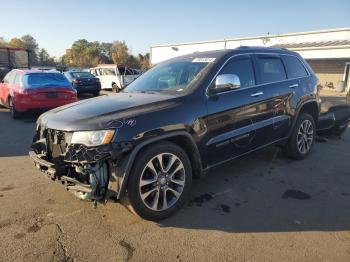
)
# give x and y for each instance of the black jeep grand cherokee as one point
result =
(177, 121)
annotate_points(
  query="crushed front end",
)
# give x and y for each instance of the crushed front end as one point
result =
(90, 172)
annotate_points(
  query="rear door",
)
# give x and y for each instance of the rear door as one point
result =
(237, 118)
(272, 79)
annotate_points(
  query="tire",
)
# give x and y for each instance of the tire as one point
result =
(301, 142)
(14, 113)
(115, 88)
(145, 189)
(96, 93)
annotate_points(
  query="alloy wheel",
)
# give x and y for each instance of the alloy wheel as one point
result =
(162, 181)
(305, 136)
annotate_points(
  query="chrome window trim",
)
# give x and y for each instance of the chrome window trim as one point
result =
(250, 54)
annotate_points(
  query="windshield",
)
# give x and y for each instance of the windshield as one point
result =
(169, 76)
(45, 80)
(82, 75)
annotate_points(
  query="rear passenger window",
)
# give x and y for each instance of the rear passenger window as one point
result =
(294, 67)
(271, 69)
(243, 68)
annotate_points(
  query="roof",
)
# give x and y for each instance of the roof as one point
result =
(239, 50)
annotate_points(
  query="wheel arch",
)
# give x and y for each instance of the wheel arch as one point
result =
(311, 107)
(181, 138)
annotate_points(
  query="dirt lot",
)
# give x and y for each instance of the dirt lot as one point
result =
(247, 210)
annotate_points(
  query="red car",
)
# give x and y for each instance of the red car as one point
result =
(23, 90)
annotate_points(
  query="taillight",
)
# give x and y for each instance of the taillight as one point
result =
(23, 91)
(76, 82)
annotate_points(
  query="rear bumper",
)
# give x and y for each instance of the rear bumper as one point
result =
(49, 169)
(87, 89)
(23, 105)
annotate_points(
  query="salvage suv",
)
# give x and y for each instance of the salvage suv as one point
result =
(177, 121)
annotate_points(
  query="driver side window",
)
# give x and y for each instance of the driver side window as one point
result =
(242, 66)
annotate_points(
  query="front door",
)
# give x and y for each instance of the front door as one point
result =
(238, 119)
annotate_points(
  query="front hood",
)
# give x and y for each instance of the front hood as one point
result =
(103, 112)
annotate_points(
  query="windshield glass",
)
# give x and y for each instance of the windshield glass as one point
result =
(82, 75)
(45, 80)
(169, 76)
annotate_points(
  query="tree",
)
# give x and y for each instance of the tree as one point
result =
(44, 58)
(120, 53)
(30, 43)
(144, 61)
(106, 53)
(83, 54)
(16, 43)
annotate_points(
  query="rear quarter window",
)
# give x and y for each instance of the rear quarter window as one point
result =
(271, 69)
(294, 67)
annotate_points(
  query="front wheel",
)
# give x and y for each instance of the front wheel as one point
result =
(160, 181)
(302, 138)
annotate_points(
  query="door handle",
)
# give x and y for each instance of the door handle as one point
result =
(257, 94)
(294, 85)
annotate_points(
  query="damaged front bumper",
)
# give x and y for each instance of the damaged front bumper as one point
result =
(81, 189)
(91, 173)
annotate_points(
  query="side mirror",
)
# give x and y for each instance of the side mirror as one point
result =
(227, 82)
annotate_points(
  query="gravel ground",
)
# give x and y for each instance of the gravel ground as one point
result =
(263, 207)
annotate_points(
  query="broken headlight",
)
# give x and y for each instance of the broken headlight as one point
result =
(93, 138)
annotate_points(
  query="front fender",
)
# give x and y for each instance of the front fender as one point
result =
(126, 165)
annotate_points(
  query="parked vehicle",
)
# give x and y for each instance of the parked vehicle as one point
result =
(23, 90)
(178, 120)
(11, 58)
(84, 82)
(114, 77)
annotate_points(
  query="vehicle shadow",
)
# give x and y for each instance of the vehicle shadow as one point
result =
(267, 192)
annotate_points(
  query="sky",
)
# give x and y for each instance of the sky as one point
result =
(56, 24)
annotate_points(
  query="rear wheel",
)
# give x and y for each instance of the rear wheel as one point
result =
(160, 181)
(302, 138)
(96, 93)
(13, 111)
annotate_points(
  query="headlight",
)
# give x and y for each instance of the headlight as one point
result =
(93, 138)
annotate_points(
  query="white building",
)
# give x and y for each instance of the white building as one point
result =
(327, 51)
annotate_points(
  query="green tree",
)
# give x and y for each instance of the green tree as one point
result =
(132, 61)
(83, 54)
(44, 59)
(106, 53)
